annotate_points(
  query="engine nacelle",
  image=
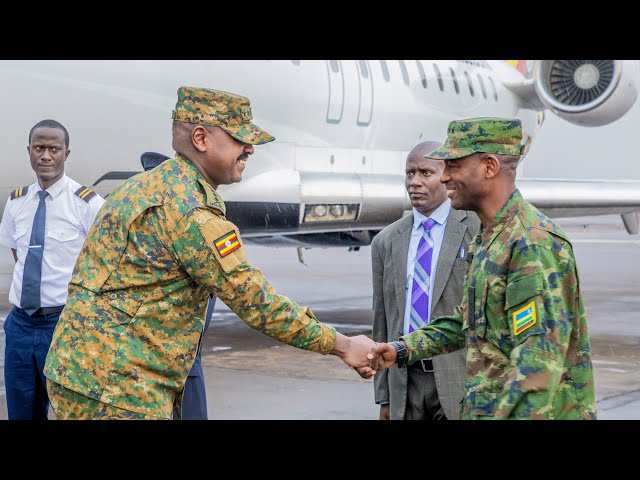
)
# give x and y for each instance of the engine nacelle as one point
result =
(587, 92)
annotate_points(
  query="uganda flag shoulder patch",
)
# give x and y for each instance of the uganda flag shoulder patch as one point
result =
(227, 243)
(524, 318)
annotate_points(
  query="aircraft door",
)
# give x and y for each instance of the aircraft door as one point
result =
(365, 105)
(336, 91)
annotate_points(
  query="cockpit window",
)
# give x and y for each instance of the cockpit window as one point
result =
(440, 82)
(364, 71)
(423, 77)
(455, 80)
(385, 70)
(405, 73)
(493, 87)
(466, 74)
(484, 90)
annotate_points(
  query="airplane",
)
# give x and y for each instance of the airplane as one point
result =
(335, 174)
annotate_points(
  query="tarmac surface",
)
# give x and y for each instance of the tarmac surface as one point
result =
(251, 376)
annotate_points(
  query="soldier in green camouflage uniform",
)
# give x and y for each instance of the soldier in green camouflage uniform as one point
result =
(160, 246)
(522, 317)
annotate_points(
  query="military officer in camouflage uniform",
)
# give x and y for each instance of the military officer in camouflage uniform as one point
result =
(522, 317)
(159, 248)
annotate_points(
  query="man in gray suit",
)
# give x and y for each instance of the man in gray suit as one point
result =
(415, 279)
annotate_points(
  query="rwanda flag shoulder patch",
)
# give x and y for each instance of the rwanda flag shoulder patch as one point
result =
(227, 243)
(524, 318)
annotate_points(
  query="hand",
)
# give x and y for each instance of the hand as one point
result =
(382, 356)
(365, 372)
(354, 351)
(385, 412)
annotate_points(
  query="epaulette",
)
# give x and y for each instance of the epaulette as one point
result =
(85, 193)
(19, 192)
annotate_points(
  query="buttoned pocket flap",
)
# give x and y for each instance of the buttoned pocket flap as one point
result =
(63, 235)
(125, 303)
(19, 233)
(523, 289)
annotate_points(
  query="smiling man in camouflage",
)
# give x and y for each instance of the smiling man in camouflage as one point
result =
(159, 248)
(521, 317)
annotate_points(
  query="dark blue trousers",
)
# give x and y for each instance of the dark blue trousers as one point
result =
(194, 402)
(27, 341)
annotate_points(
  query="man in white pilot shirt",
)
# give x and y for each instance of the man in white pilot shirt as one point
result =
(45, 224)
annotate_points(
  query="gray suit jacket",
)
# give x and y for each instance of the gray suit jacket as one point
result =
(389, 251)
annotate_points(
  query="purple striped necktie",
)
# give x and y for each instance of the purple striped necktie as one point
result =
(421, 278)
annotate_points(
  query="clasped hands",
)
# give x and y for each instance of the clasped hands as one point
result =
(364, 355)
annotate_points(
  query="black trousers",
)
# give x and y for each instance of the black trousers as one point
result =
(422, 397)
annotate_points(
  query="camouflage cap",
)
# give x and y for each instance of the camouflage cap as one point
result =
(226, 110)
(484, 134)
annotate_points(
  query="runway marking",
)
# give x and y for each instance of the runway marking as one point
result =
(220, 349)
(616, 370)
(604, 362)
(598, 240)
(354, 326)
(618, 400)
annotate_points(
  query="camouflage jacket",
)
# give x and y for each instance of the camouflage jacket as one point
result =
(160, 246)
(523, 322)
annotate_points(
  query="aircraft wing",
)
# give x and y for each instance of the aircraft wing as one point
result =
(572, 198)
(293, 224)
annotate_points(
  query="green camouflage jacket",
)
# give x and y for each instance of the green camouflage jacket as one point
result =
(160, 246)
(523, 321)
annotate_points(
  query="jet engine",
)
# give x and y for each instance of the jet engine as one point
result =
(587, 92)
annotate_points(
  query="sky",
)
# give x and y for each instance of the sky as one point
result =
(564, 150)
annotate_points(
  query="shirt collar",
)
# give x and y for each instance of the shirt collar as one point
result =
(213, 198)
(514, 205)
(440, 214)
(56, 189)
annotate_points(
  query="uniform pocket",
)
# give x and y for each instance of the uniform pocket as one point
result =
(126, 306)
(63, 235)
(478, 315)
(19, 233)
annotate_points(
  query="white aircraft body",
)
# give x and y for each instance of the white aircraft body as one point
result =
(334, 176)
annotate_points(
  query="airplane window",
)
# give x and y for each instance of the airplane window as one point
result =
(440, 82)
(455, 80)
(335, 68)
(423, 77)
(385, 70)
(296, 62)
(363, 69)
(405, 74)
(484, 91)
(466, 74)
(493, 87)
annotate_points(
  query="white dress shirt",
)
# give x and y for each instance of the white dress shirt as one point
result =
(67, 223)
(440, 215)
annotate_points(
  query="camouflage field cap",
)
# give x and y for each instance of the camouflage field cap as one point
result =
(484, 134)
(226, 110)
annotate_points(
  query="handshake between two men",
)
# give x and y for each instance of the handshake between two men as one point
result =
(366, 356)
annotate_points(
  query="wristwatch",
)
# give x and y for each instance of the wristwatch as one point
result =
(402, 354)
